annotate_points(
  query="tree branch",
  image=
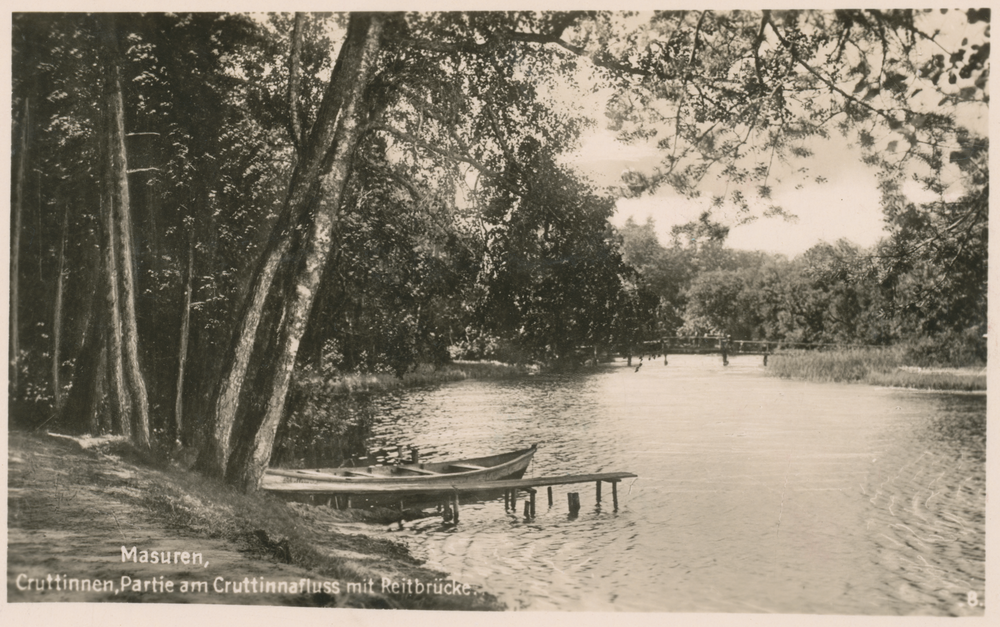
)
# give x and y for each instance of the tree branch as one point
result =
(756, 51)
(826, 81)
(908, 25)
(553, 37)
(442, 152)
(697, 31)
(294, 77)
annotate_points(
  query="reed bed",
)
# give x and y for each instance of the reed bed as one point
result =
(930, 380)
(875, 366)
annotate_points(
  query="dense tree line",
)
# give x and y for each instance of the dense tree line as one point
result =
(832, 294)
(204, 203)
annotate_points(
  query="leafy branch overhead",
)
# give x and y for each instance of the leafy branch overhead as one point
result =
(731, 92)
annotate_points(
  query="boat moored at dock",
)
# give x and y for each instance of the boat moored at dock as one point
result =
(510, 465)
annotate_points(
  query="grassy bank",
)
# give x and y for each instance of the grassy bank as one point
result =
(71, 510)
(423, 375)
(874, 366)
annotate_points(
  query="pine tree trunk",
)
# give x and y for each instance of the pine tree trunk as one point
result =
(347, 82)
(121, 408)
(128, 389)
(185, 332)
(57, 316)
(126, 257)
(79, 411)
(15, 252)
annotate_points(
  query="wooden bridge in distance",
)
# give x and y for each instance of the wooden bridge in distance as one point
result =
(707, 345)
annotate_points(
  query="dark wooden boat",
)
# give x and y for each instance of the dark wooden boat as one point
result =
(473, 470)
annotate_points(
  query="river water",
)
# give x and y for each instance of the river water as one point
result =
(754, 494)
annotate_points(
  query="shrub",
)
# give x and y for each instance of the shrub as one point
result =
(949, 349)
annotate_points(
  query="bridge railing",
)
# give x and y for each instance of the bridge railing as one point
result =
(715, 344)
(704, 345)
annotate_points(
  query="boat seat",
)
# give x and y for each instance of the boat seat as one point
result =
(468, 467)
(353, 473)
(419, 471)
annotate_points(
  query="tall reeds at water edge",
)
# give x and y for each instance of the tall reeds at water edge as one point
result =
(875, 366)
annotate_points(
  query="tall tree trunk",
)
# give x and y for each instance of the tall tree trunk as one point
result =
(121, 408)
(57, 315)
(294, 75)
(80, 409)
(15, 252)
(96, 402)
(347, 82)
(252, 453)
(185, 332)
(126, 256)
(127, 385)
(88, 346)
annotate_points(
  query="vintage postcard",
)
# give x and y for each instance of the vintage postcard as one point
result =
(674, 311)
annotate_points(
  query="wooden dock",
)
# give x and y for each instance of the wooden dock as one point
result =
(363, 489)
(450, 493)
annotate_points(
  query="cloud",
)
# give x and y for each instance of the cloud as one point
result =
(845, 206)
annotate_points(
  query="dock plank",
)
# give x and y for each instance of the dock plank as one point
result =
(441, 487)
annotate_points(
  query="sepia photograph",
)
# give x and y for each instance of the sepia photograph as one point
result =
(672, 310)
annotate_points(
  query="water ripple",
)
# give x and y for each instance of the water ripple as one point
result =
(755, 494)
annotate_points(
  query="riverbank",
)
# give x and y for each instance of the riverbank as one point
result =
(423, 375)
(873, 366)
(328, 414)
(75, 512)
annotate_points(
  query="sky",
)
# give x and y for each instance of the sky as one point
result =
(846, 206)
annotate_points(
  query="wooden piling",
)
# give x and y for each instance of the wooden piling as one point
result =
(598, 491)
(456, 509)
(527, 510)
(506, 500)
(614, 494)
(319, 492)
(574, 503)
(414, 456)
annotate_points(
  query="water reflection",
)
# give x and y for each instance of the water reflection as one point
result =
(754, 493)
